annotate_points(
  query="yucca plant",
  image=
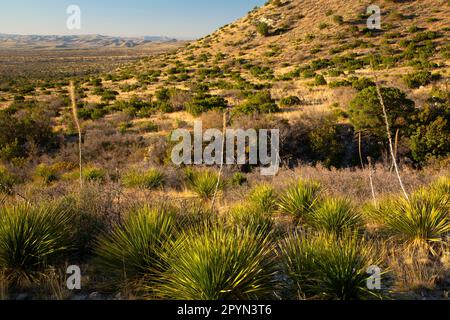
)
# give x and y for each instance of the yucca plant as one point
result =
(203, 183)
(218, 263)
(32, 238)
(250, 216)
(336, 216)
(300, 199)
(264, 198)
(131, 251)
(150, 179)
(422, 220)
(327, 267)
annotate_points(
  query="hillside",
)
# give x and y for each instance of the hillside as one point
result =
(87, 159)
(27, 42)
(310, 37)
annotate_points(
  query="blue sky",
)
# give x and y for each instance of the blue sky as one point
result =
(174, 18)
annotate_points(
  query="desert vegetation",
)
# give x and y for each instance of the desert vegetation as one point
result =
(86, 176)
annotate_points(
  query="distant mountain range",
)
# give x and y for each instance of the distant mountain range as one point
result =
(11, 41)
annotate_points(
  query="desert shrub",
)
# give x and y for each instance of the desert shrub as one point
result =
(264, 198)
(299, 199)
(362, 83)
(47, 173)
(217, 263)
(431, 128)
(22, 131)
(7, 180)
(335, 216)
(203, 182)
(203, 102)
(132, 250)
(259, 102)
(327, 267)
(91, 174)
(338, 19)
(290, 101)
(366, 111)
(252, 217)
(150, 179)
(421, 220)
(417, 79)
(263, 28)
(238, 179)
(32, 238)
(319, 80)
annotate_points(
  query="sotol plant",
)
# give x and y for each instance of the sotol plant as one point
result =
(132, 250)
(327, 267)
(300, 199)
(32, 238)
(217, 263)
(203, 183)
(335, 216)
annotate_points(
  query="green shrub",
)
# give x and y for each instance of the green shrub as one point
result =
(260, 102)
(319, 80)
(264, 198)
(238, 179)
(263, 28)
(366, 111)
(132, 251)
(203, 102)
(290, 101)
(150, 179)
(335, 216)
(418, 79)
(300, 199)
(46, 173)
(217, 263)
(252, 217)
(7, 181)
(94, 174)
(203, 183)
(32, 238)
(424, 219)
(327, 267)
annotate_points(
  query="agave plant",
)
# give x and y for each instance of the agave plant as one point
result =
(131, 251)
(336, 216)
(300, 199)
(32, 238)
(217, 263)
(263, 197)
(328, 267)
(203, 183)
(423, 219)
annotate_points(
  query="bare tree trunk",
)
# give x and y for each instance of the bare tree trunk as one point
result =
(77, 123)
(225, 123)
(391, 147)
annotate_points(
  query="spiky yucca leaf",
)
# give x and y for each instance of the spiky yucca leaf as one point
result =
(150, 179)
(264, 197)
(300, 199)
(203, 182)
(336, 216)
(250, 216)
(31, 239)
(132, 250)
(324, 266)
(423, 219)
(218, 263)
